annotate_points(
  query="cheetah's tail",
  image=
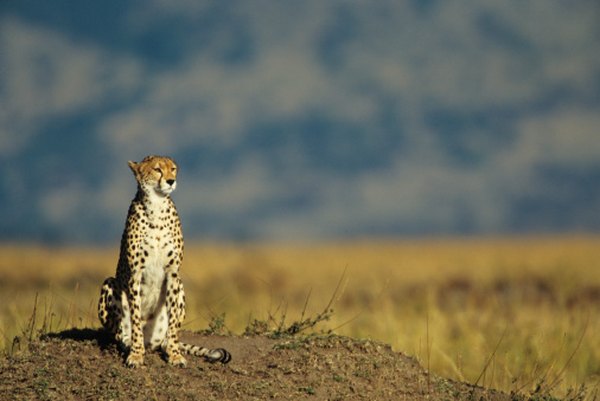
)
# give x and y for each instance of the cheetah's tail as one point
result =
(210, 355)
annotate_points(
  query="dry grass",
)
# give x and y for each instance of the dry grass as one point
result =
(512, 313)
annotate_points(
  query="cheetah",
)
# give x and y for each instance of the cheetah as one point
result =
(144, 304)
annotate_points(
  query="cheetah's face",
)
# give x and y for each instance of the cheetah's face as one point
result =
(156, 174)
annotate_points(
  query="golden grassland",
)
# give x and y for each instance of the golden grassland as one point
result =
(515, 313)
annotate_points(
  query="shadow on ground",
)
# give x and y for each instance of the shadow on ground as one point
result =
(99, 336)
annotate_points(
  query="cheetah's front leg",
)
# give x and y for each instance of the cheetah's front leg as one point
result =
(175, 313)
(136, 352)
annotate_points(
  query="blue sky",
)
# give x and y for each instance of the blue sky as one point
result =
(304, 120)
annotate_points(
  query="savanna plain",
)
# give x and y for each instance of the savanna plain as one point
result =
(519, 314)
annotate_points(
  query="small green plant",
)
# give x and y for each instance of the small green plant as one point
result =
(276, 325)
(256, 327)
(308, 390)
(217, 326)
(339, 378)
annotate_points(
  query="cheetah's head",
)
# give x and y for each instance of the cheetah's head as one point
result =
(155, 175)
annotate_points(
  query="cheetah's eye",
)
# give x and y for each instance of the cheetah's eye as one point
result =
(158, 170)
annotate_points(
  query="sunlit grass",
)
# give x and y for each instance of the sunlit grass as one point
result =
(512, 313)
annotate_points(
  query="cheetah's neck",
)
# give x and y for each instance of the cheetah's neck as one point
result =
(155, 205)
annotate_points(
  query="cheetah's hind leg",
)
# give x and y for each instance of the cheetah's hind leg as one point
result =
(106, 306)
(113, 312)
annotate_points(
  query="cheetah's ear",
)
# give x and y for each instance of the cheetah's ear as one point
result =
(134, 167)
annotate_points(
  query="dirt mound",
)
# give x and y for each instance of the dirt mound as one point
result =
(84, 365)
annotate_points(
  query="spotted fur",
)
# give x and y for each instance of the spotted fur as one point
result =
(144, 304)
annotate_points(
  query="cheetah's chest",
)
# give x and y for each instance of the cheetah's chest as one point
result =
(155, 249)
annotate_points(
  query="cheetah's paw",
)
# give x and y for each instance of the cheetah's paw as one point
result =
(177, 360)
(134, 360)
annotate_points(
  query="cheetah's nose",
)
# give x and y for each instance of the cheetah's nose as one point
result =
(171, 181)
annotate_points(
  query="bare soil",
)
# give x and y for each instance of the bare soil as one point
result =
(84, 365)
